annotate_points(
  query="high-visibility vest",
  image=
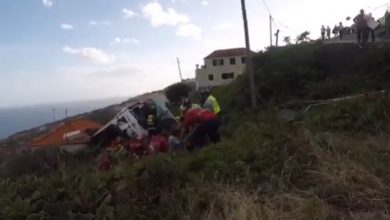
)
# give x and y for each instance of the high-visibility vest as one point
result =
(215, 104)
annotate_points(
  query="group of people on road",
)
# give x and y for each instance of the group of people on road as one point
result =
(364, 26)
(337, 31)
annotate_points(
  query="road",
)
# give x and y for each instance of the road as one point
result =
(351, 38)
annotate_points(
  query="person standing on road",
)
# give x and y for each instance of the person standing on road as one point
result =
(387, 23)
(335, 31)
(341, 30)
(361, 25)
(371, 31)
(328, 32)
(323, 32)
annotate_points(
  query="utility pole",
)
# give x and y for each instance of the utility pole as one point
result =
(66, 113)
(249, 66)
(270, 29)
(277, 37)
(179, 67)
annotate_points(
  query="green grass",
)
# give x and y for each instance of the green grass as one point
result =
(268, 169)
(309, 72)
(332, 163)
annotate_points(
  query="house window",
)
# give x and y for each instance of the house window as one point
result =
(227, 75)
(221, 62)
(232, 61)
(214, 62)
(211, 77)
(243, 60)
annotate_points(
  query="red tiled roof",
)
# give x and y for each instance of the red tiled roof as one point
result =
(56, 137)
(234, 52)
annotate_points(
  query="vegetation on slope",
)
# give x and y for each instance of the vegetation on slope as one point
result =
(331, 164)
(269, 169)
(312, 71)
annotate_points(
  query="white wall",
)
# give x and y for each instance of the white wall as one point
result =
(202, 74)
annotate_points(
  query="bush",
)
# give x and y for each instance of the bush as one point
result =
(175, 92)
(268, 169)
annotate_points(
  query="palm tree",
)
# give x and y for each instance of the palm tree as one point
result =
(304, 37)
(287, 40)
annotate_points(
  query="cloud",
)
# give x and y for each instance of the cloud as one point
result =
(119, 40)
(47, 3)
(132, 40)
(226, 26)
(128, 13)
(92, 54)
(99, 23)
(190, 30)
(205, 2)
(67, 26)
(158, 16)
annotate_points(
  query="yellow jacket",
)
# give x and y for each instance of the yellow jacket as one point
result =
(212, 104)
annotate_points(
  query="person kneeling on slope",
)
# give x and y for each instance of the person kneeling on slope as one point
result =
(200, 126)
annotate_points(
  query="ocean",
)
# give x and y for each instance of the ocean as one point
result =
(13, 120)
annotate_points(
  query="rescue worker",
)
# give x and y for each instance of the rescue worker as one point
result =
(210, 102)
(174, 142)
(186, 104)
(200, 126)
(154, 116)
(158, 144)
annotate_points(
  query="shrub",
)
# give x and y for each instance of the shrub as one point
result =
(177, 91)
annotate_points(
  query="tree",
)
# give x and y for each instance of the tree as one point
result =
(177, 91)
(287, 40)
(304, 37)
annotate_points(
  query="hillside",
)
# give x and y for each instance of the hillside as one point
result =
(328, 163)
(15, 119)
(313, 71)
(103, 115)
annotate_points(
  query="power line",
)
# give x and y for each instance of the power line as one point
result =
(278, 24)
(275, 21)
(282, 24)
(266, 7)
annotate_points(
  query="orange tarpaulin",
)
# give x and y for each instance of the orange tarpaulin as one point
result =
(57, 136)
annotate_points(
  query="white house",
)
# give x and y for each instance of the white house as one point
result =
(221, 67)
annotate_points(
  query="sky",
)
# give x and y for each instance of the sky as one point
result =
(69, 50)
